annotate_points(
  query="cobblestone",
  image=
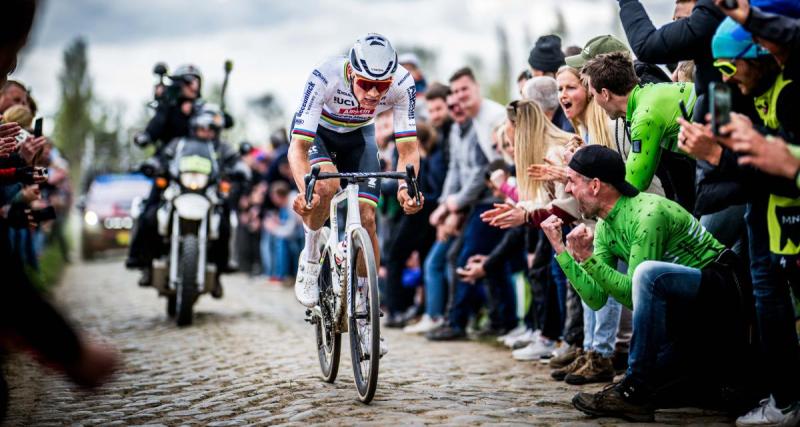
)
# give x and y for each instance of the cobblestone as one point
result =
(249, 359)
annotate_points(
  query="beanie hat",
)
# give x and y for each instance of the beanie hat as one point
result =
(546, 54)
(732, 41)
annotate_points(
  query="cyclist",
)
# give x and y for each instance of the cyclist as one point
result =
(333, 128)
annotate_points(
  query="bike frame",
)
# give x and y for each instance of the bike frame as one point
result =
(353, 222)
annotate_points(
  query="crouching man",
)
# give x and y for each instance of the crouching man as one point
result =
(690, 295)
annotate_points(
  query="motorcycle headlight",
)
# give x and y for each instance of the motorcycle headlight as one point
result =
(194, 180)
(90, 218)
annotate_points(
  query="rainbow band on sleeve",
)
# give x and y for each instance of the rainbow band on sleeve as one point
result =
(305, 135)
(321, 161)
(407, 136)
(368, 199)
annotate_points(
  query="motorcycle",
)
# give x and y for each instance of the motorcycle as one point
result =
(189, 221)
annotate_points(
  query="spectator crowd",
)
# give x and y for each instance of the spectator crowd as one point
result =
(620, 223)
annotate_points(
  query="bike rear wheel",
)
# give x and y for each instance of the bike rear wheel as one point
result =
(364, 321)
(329, 342)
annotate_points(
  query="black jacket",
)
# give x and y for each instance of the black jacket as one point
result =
(681, 40)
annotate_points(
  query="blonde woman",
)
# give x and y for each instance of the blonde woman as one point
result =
(590, 121)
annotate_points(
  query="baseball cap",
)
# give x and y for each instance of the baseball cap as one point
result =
(605, 164)
(408, 58)
(596, 46)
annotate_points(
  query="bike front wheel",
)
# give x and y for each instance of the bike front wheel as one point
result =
(364, 321)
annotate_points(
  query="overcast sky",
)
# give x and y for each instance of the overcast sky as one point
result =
(275, 44)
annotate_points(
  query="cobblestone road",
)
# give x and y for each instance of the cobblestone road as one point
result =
(250, 359)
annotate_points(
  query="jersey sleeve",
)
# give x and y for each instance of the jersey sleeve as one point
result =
(307, 116)
(586, 282)
(405, 124)
(646, 134)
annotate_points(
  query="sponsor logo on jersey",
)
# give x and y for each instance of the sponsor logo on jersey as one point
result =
(403, 79)
(789, 222)
(412, 101)
(344, 101)
(299, 121)
(342, 92)
(306, 95)
(357, 111)
(320, 76)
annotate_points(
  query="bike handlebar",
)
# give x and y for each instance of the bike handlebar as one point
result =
(353, 177)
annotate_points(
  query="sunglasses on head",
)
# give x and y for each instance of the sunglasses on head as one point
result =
(367, 85)
(511, 111)
(727, 68)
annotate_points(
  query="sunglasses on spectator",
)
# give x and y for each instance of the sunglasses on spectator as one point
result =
(511, 111)
(367, 85)
(727, 68)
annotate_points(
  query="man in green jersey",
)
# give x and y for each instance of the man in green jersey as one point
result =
(678, 274)
(650, 112)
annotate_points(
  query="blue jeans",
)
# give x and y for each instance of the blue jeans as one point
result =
(481, 238)
(600, 327)
(774, 312)
(436, 279)
(659, 288)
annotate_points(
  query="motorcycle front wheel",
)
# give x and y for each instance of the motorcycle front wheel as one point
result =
(186, 292)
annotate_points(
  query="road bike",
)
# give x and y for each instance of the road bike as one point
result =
(348, 283)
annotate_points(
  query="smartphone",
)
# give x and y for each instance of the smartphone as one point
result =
(41, 172)
(37, 127)
(720, 106)
(44, 214)
(730, 4)
(684, 111)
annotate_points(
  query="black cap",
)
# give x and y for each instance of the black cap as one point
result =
(546, 54)
(605, 164)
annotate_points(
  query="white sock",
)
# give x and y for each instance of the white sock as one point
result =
(311, 249)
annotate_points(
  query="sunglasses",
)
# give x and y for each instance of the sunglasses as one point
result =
(452, 107)
(511, 111)
(367, 85)
(727, 68)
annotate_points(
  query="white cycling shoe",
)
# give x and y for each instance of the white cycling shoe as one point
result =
(364, 329)
(306, 287)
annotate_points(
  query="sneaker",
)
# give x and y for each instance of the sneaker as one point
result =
(522, 340)
(535, 350)
(560, 374)
(394, 321)
(565, 356)
(766, 414)
(425, 325)
(597, 369)
(615, 400)
(519, 330)
(446, 333)
(306, 287)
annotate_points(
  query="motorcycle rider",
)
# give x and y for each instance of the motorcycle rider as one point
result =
(176, 105)
(206, 125)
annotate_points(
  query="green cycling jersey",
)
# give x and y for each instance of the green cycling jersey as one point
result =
(652, 116)
(647, 227)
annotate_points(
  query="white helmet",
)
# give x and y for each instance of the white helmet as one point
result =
(373, 57)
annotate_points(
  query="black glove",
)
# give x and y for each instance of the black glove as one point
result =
(19, 216)
(24, 175)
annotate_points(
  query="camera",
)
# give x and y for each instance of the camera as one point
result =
(730, 4)
(171, 87)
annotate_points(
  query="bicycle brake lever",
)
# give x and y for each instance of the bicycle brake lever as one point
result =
(411, 181)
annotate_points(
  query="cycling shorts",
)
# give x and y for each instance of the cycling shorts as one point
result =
(354, 151)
